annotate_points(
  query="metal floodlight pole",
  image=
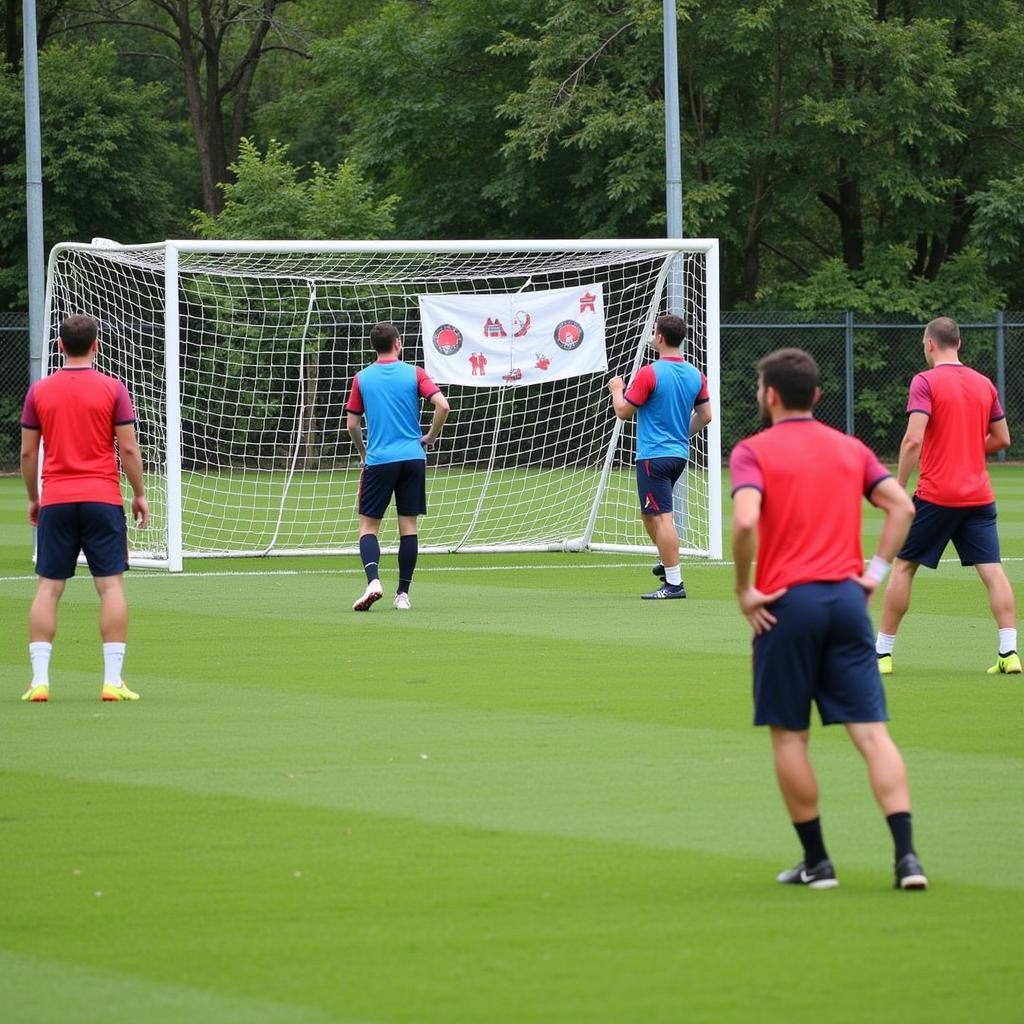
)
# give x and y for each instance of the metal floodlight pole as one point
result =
(33, 190)
(673, 160)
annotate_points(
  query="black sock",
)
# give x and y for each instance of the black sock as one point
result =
(408, 549)
(902, 833)
(369, 552)
(812, 840)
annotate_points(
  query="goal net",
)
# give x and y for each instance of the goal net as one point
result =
(239, 357)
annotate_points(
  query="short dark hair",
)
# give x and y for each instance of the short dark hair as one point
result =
(794, 375)
(78, 332)
(672, 328)
(944, 331)
(383, 337)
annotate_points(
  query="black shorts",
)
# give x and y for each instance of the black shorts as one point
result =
(821, 650)
(655, 479)
(972, 531)
(406, 480)
(97, 530)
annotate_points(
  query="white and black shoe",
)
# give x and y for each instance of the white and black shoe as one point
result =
(909, 873)
(666, 591)
(373, 593)
(821, 876)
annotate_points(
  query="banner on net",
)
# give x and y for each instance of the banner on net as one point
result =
(511, 340)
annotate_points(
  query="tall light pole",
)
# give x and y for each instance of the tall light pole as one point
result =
(673, 160)
(33, 190)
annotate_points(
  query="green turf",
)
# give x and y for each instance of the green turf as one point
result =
(533, 798)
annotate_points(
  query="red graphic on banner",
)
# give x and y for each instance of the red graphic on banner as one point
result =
(521, 322)
(587, 301)
(447, 339)
(543, 362)
(494, 328)
(512, 375)
(568, 335)
(478, 361)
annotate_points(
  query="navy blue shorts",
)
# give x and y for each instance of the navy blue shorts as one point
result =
(655, 479)
(972, 531)
(820, 650)
(97, 530)
(406, 480)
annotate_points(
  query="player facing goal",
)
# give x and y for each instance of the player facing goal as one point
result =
(239, 356)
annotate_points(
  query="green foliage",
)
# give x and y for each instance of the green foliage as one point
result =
(268, 199)
(108, 158)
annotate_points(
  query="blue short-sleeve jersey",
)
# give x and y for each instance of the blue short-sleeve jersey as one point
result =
(663, 419)
(391, 403)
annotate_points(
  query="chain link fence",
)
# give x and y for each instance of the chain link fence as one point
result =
(866, 367)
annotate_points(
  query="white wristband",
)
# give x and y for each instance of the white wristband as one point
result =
(878, 568)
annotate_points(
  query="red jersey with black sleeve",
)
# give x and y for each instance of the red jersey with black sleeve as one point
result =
(812, 480)
(77, 409)
(960, 404)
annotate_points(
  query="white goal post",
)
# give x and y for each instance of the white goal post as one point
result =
(239, 357)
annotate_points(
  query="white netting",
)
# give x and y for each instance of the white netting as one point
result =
(269, 343)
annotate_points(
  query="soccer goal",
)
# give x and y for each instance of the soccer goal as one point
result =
(239, 357)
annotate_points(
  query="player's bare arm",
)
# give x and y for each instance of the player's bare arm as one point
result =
(746, 513)
(354, 422)
(30, 471)
(441, 410)
(623, 409)
(910, 446)
(131, 463)
(700, 418)
(892, 499)
(998, 437)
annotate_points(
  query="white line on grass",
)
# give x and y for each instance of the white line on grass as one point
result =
(157, 574)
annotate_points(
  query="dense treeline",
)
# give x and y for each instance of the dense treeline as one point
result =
(850, 154)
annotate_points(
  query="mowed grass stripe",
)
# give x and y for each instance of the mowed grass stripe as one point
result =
(383, 919)
(637, 783)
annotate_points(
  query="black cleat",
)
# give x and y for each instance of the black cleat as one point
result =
(666, 590)
(909, 873)
(659, 571)
(821, 876)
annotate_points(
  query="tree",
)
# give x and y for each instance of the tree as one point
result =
(217, 46)
(108, 159)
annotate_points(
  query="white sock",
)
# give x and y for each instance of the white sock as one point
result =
(1007, 640)
(113, 659)
(884, 643)
(673, 575)
(39, 652)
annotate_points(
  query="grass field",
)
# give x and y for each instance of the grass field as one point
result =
(533, 798)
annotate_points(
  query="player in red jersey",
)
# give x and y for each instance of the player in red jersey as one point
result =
(954, 421)
(78, 413)
(797, 490)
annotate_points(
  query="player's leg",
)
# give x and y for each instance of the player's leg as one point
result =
(105, 545)
(977, 543)
(57, 548)
(888, 776)
(376, 486)
(930, 532)
(786, 660)
(410, 503)
(654, 490)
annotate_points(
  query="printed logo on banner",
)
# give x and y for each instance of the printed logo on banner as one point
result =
(587, 301)
(568, 335)
(494, 328)
(521, 322)
(447, 339)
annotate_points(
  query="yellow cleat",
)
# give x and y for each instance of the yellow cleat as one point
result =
(112, 692)
(1010, 665)
(37, 694)
(885, 664)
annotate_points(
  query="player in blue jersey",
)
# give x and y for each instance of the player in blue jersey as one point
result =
(670, 401)
(388, 393)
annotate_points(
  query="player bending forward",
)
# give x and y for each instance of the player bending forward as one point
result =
(388, 393)
(797, 490)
